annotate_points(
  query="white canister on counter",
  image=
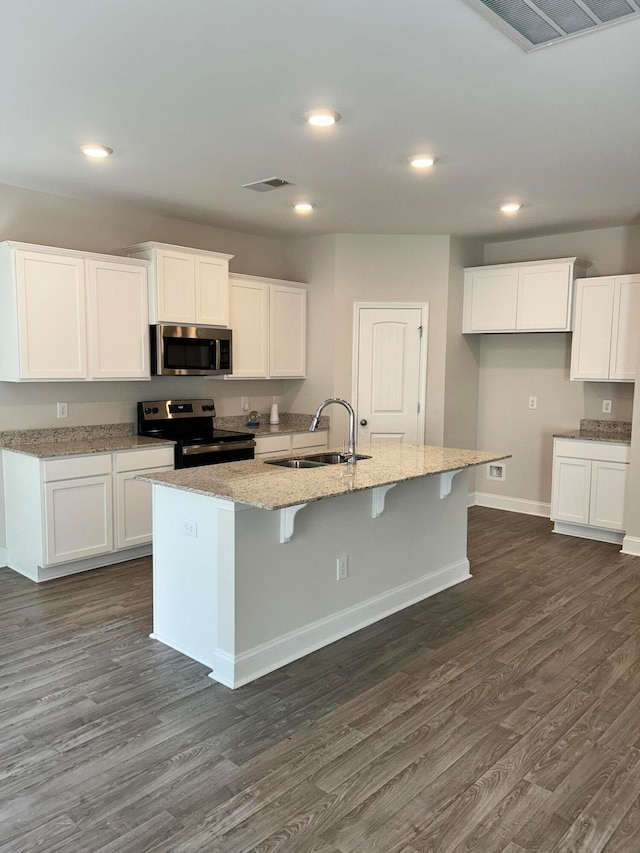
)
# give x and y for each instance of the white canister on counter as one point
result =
(274, 418)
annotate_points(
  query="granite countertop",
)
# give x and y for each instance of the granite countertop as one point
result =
(259, 484)
(289, 422)
(615, 432)
(76, 441)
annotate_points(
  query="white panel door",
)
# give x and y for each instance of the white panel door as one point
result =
(118, 321)
(134, 508)
(249, 322)
(570, 491)
(625, 328)
(607, 494)
(176, 287)
(287, 331)
(544, 298)
(79, 518)
(52, 316)
(591, 343)
(212, 291)
(494, 297)
(389, 374)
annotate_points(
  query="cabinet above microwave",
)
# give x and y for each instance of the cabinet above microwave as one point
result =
(186, 286)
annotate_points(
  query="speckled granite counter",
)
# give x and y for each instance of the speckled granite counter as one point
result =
(616, 432)
(266, 486)
(289, 422)
(76, 441)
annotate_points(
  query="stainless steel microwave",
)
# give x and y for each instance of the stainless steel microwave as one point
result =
(190, 351)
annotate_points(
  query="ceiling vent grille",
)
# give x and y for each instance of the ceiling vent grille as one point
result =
(267, 185)
(539, 23)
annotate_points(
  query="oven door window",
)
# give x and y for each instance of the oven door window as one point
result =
(189, 354)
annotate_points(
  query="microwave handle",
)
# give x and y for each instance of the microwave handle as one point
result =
(218, 354)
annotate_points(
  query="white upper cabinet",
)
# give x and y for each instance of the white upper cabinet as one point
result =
(605, 337)
(186, 286)
(68, 315)
(527, 297)
(269, 320)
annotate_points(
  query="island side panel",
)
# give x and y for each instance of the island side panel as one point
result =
(288, 600)
(193, 575)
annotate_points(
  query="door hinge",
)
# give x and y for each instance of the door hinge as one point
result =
(420, 330)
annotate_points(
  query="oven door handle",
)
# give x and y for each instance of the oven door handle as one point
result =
(194, 449)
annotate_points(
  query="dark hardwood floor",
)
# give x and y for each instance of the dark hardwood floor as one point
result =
(500, 715)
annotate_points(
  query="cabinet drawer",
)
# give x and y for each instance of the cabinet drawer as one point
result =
(137, 460)
(595, 450)
(76, 466)
(273, 444)
(309, 439)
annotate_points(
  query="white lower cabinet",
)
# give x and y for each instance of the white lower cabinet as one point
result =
(272, 446)
(70, 514)
(588, 489)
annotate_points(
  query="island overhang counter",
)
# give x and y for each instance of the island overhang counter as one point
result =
(245, 562)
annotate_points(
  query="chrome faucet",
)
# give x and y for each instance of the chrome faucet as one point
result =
(352, 424)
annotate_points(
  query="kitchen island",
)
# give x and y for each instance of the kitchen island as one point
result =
(257, 565)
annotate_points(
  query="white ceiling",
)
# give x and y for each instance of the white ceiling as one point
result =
(198, 97)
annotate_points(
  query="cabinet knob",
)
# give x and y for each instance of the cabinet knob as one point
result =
(363, 422)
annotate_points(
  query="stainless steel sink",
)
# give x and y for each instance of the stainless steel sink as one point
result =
(334, 458)
(296, 463)
(316, 460)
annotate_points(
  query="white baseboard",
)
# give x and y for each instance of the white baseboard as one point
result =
(585, 531)
(631, 545)
(3, 557)
(513, 504)
(234, 671)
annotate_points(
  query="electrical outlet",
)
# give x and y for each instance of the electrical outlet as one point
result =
(606, 407)
(342, 568)
(189, 528)
(533, 402)
(497, 471)
(63, 410)
(245, 404)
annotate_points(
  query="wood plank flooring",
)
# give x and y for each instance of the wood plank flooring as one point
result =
(500, 715)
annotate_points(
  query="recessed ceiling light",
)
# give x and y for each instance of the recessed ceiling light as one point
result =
(322, 118)
(93, 149)
(422, 161)
(303, 207)
(510, 207)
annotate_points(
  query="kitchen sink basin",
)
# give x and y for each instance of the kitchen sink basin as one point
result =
(296, 463)
(334, 458)
(317, 460)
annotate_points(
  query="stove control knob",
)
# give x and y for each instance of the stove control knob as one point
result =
(147, 411)
(155, 410)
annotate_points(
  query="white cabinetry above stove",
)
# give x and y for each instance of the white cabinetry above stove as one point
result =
(186, 286)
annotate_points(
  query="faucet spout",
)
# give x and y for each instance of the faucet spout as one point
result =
(352, 423)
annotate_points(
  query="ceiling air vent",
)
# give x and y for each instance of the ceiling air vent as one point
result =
(267, 185)
(539, 23)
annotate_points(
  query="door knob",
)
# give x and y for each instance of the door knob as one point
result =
(363, 422)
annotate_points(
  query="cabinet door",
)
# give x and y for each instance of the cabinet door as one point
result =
(544, 298)
(591, 344)
(78, 518)
(491, 300)
(212, 291)
(287, 331)
(133, 508)
(118, 321)
(624, 330)
(51, 316)
(607, 494)
(249, 321)
(570, 490)
(176, 284)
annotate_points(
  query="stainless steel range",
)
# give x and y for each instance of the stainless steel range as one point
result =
(190, 423)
